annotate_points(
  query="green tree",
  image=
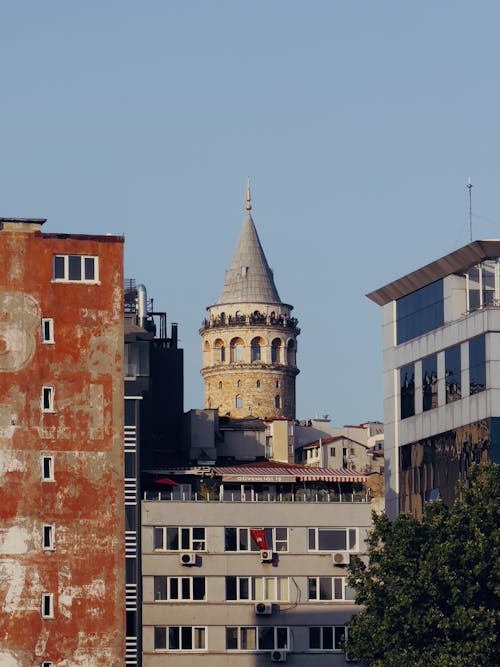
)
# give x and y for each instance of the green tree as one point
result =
(431, 589)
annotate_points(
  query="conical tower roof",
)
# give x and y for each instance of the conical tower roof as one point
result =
(249, 278)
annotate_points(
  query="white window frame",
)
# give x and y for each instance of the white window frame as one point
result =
(180, 588)
(334, 629)
(239, 597)
(262, 586)
(47, 399)
(47, 459)
(314, 533)
(256, 630)
(194, 629)
(193, 544)
(252, 546)
(47, 605)
(66, 279)
(48, 537)
(258, 589)
(343, 588)
(47, 334)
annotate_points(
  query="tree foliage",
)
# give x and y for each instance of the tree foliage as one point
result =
(431, 589)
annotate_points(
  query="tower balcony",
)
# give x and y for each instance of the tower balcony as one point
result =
(279, 322)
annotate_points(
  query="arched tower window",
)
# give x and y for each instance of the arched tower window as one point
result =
(220, 385)
(238, 384)
(291, 350)
(256, 349)
(220, 351)
(238, 403)
(257, 384)
(276, 351)
(237, 348)
(277, 401)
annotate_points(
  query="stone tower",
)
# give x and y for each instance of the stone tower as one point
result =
(250, 339)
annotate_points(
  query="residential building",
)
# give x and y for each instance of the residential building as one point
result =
(441, 370)
(245, 564)
(355, 447)
(62, 565)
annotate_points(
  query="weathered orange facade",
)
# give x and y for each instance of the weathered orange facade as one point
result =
(61, 462)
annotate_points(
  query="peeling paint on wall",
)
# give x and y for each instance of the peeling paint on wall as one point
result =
(82, 497)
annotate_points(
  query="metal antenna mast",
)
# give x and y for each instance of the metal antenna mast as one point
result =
(469, 188)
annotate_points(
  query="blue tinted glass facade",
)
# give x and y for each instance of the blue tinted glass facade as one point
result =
(477, 365)
(429, 383)
(431, 468)
(407, 390)
(419, 312)
(453, 374)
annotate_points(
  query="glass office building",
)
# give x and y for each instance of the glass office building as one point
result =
(441, 367)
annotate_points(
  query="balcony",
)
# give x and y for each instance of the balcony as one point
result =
(233, 496)
(279, 322)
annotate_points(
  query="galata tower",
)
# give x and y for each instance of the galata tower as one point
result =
(250, 338)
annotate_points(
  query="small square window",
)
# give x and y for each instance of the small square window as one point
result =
(47, 663)
(48, 468)
(47, 605)
(47, 330)
(48, 399)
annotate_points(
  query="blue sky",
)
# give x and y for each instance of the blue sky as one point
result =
(358, 123)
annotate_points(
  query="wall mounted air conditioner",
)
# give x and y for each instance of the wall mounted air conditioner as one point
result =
(263, 608)
(187, 558)
(266, 556)
(278, 656)
(340, 557)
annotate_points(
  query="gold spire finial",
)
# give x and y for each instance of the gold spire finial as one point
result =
(248, 197)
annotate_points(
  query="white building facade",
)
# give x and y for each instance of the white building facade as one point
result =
(213, 591)
(441, 374)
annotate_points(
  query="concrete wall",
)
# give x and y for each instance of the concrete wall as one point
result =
(215, 564)
(83, 502)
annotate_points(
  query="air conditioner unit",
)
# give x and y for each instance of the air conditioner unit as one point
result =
(263, 608)
(278, 656)
(341, 557)
(266, 556)
(187, 558)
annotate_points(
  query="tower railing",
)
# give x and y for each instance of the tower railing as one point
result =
(279, 321)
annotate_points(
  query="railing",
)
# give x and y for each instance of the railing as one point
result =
(255, 320)
(236, 497)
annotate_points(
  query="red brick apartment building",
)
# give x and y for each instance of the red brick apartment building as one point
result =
(61, 461)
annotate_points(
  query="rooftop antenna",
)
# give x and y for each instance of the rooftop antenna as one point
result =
(248, 197)
(469, 188)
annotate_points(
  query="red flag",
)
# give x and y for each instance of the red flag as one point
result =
(259, 537)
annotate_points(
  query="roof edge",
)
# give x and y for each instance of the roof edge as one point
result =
(456, 261)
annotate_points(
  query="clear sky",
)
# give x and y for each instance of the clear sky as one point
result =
(358, 123)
